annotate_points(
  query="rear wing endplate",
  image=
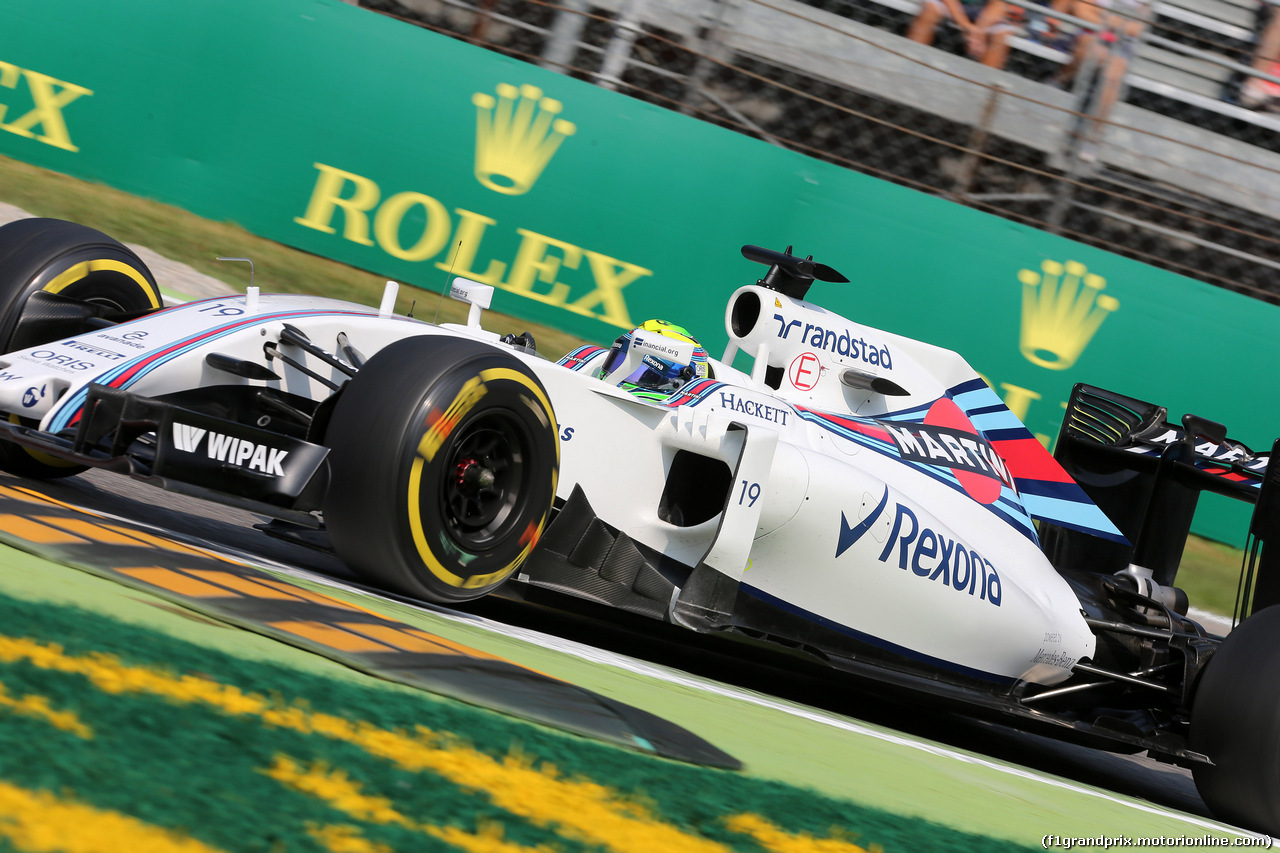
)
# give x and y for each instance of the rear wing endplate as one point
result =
(1146, 473)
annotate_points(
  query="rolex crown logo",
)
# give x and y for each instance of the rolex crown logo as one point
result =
(1062, 308)
(517, 134)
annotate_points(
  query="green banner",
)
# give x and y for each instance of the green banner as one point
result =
(397, 150)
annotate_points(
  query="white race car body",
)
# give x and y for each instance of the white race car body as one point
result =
(858, 498)
(859, 518)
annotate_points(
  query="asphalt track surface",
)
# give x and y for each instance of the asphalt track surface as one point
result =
(232, 530)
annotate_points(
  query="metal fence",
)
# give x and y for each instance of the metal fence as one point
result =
(1177, 174)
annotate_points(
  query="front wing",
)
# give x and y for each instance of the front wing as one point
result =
(187, 451)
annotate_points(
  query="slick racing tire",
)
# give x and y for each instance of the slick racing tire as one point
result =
(101, 278)
(1235, 720)
(443, 463)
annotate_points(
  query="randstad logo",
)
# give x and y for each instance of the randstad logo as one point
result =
(517, 134)
(1062, 308)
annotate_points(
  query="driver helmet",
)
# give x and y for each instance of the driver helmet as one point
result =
(656, 356)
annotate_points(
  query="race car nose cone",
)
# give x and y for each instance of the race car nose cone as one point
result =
(31, 396)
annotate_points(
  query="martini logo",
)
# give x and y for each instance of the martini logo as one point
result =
(947, 439)
(1227, 453)
(1062, 308)
(517, 134)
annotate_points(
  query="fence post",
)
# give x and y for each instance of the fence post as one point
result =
(618, 52)
(976, 145)
(566, 34)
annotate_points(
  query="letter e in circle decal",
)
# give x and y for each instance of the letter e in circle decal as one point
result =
(804, 371)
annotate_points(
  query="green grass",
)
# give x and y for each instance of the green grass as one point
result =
(1209, 574)
(1209, 571)
(197, 242)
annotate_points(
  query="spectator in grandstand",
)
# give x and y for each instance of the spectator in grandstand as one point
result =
(1045, 26)
(986, 28)
(1106, 44)
(1257, 93)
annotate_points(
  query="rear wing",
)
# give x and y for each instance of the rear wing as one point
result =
(1147, 474)
(1210, 459)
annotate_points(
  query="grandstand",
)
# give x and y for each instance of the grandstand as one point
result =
(1180, 175)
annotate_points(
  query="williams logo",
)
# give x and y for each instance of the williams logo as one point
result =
(517, 134)
(235, 451)
(1062, 308)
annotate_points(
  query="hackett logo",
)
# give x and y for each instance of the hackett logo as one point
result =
(44, 121)
(544, 268)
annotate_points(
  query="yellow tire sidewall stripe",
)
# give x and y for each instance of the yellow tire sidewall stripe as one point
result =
(61, 282)
(414, 505)
(43, 458)
(79, 271)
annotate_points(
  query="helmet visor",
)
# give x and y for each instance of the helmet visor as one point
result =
(616, 355)
(658, 374)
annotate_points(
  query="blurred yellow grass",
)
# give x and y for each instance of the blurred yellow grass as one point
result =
(575, 808)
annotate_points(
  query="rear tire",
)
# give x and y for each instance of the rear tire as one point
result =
(71, 260)
(1235, 720)
(443, 461)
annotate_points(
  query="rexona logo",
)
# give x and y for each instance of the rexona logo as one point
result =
(234, 451)
(949, 440)
(43, 120)
(517, 134)
(926, 553)
(1062, 308)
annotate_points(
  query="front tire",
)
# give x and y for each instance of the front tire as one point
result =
(1235, 720)
(443, 462)
(73, 261)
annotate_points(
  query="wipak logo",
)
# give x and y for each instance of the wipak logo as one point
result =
(235, 451)
(1062, 308)
(517, 134)
(187, 437)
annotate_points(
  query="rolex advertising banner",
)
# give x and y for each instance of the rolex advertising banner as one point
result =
(391, 148)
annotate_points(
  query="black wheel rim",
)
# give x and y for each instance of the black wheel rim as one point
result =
(485, 481)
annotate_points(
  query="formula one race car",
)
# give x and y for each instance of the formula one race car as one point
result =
(858, 497)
